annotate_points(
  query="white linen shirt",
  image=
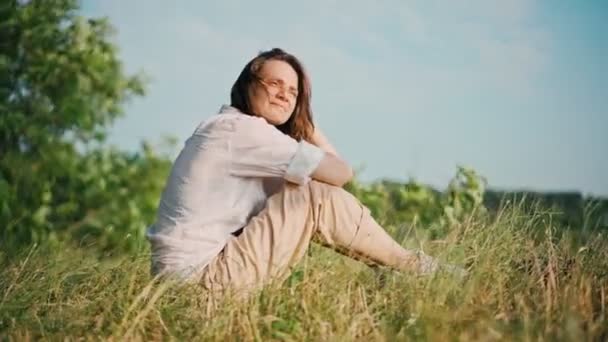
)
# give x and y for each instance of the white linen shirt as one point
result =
(222, 177)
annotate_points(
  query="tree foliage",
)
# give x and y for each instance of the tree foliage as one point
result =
(62, 85)
(412, 203)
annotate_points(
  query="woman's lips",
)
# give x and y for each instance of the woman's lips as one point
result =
(278, 105)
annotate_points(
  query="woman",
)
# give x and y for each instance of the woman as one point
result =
(256, 183)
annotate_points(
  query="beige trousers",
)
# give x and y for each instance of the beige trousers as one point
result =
(278, 237)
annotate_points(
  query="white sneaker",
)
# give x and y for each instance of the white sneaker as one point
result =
(427, 265)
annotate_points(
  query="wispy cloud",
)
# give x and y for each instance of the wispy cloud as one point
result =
(360, 54)
(477, 38)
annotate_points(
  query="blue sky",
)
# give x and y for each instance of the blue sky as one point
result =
(517, 90)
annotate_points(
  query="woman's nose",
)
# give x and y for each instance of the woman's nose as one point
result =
(281, 95)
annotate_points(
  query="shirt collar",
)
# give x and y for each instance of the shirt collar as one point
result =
(228, 109)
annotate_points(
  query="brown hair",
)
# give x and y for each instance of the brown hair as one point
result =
(299, 125)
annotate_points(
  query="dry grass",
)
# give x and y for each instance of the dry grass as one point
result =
(526, 282)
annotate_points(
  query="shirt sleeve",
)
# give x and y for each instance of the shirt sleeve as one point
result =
(259, 149)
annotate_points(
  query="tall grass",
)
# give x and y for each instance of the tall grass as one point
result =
(528, 280)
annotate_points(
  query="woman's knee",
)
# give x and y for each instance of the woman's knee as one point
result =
(330, 192)
(315, 191)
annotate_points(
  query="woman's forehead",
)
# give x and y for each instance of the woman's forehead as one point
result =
(279, 70)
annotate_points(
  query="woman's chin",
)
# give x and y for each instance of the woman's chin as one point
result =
(277, 119)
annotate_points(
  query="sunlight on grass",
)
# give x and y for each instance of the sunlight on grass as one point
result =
(526, 281)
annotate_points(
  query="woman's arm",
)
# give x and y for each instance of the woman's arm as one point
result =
(332, 169)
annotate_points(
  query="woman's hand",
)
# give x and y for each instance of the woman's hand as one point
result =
(332, 169)
(319, 139)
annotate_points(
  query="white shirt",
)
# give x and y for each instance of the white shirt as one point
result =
(222, 177)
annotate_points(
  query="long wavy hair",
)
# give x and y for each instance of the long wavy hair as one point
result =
(299, 125)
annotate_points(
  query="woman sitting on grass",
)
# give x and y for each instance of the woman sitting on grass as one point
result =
(256, 183)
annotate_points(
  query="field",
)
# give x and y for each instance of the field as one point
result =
(527, 281)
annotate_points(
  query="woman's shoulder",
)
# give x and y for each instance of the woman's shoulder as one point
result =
(231, 118)
(230, 114)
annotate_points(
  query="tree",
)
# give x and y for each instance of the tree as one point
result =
(61, 87)
(60, 76)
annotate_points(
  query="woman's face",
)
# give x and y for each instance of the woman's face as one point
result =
(274, 95)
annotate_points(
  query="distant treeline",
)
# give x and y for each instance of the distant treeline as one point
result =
(568, 208)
